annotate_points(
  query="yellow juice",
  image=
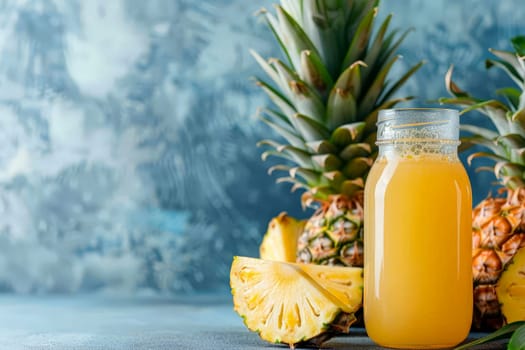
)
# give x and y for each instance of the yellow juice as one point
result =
(418, 246)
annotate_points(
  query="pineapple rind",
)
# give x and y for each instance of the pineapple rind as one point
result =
(282, 302)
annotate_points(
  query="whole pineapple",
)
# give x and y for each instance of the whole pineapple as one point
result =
(498, 225)
(328, 94)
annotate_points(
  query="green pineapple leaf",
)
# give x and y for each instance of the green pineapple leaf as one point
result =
(310, 129)
(328, 87)
(505, 66)
(390, 49)
(341, 108)
(293, 37)
(277, 98)
(329, 162)
(469, 141)
(357, 167)
(512, 95)
(348, 133)
(315, 73)
(290, 136)
(519, 44)
(378, 45)
(309, 175)
(322, 147)
(492, 156)
(478, 130)
(517, 341)
(355, 150)
(501, 333)
(401, 82)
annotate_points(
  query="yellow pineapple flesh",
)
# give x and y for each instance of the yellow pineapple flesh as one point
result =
(285, 302)
(511, 289)
(280, 241)
(344, 283)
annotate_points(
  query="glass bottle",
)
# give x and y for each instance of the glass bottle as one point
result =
(418, 240)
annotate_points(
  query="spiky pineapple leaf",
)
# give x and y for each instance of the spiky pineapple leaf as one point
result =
(309, 175)
(507, 67)
(272, 143)
(376, 88)
(377, 45)
(349, 187)
(454, 89)
(348, 133)
(286, 133)
(305, 99)
(360, 39)
(322, 147)
(341, 108)
(310, 129)
(350, 79)
(323, 28)
(279, 167)
(492, 156)
(512, 95)
(508, 169)
(355, 150)
(503, 332)
(265, 65)
(478, 130)
(468, 141)
(392, 90)
(517, 340)
(328, 162)
(293, 154)
(274, 26)
(371, 118)
(342, 102)
(461, 101)
(357, 167)
(315, 73)
(293, 37)
(390, 49)
(510, 142)
(495, 110)
(519, 44)
(277, 97)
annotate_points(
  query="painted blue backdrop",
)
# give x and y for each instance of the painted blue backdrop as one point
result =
(127, 133)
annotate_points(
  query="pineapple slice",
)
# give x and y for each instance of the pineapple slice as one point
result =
(344, 283)
(511, 289)
(280, 241)
(285, 302)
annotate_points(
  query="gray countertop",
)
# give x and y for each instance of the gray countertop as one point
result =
(109, 322)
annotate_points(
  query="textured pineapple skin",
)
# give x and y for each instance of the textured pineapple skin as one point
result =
(498, 234)
(334, 234)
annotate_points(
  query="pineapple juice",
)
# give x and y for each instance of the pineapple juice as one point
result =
(418, 246)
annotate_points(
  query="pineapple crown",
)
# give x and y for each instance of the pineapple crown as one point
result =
(505, 143)
(328, 92)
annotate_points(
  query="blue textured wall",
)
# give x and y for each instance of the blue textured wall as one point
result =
(127, 136)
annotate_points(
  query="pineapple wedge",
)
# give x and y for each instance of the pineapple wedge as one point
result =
(344, 283)
(286, 302)
(280, 241)
(511, 289)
